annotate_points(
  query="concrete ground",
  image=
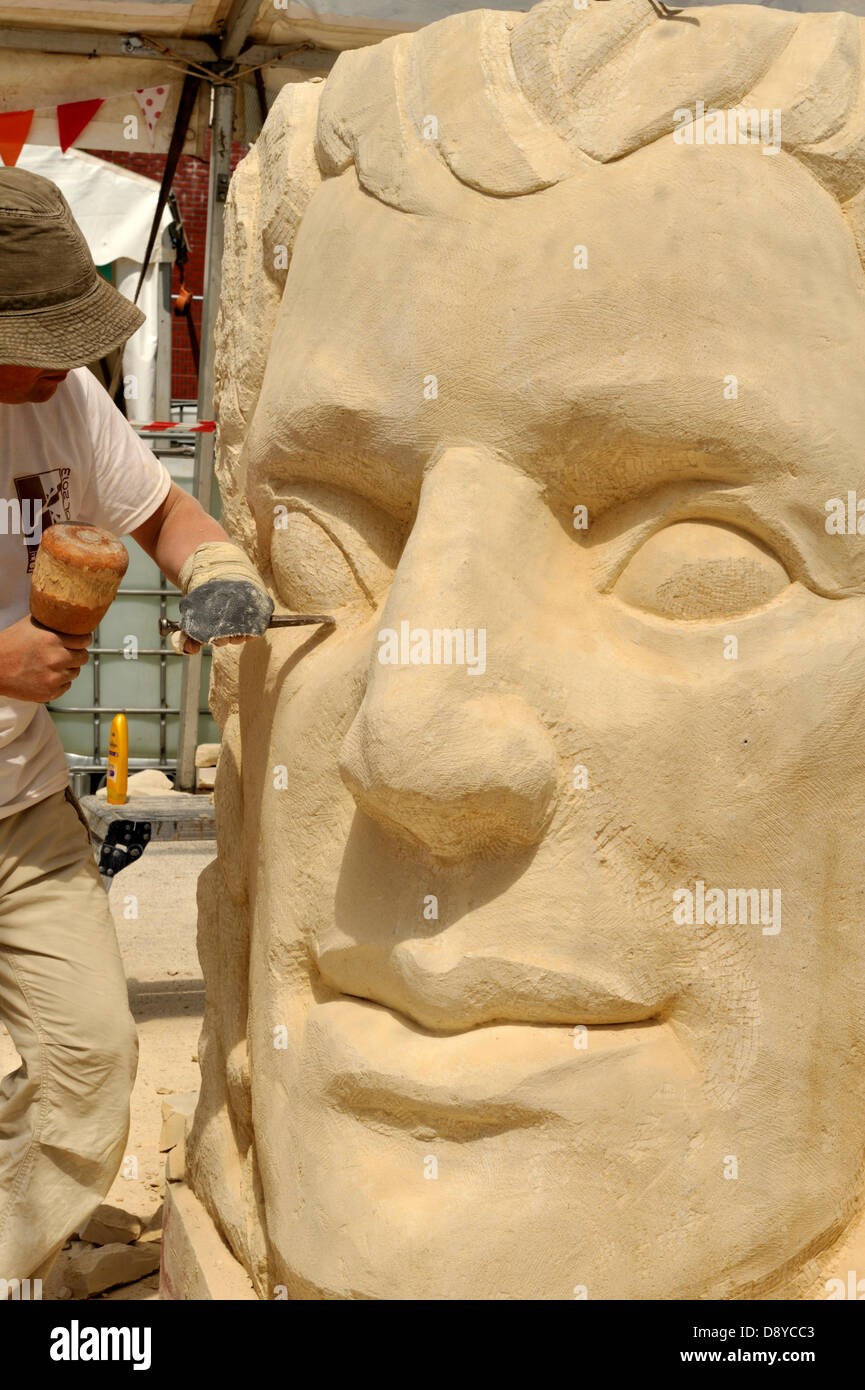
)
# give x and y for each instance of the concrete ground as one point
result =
(154, 910)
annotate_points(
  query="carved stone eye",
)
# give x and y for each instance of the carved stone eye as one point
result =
(309, 568)
(330, 549)
(695, 570)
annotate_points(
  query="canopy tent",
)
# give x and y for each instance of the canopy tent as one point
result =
(58, 53)
(350, 24)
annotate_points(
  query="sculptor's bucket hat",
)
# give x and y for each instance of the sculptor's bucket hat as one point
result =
(56, 310)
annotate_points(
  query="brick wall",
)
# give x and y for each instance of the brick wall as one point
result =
(190, 188)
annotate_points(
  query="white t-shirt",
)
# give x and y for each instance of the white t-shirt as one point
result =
(71, 458)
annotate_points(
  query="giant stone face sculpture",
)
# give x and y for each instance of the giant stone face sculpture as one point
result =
(534, 949)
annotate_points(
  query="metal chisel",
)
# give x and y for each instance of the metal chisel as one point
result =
(167, 626)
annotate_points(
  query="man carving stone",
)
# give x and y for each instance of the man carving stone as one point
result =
(64, 1111)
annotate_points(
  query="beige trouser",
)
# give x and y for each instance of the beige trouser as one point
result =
(64, 1114)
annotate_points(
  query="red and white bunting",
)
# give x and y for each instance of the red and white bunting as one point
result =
(14, 129)
(152, 102)
(73, 117)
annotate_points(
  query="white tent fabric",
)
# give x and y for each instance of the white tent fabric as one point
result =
(114, 208)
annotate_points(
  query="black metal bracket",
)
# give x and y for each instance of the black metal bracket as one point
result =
(125, 841)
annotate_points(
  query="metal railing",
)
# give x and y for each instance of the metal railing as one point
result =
(99, 763)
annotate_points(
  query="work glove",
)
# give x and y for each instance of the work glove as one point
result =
(224, 599)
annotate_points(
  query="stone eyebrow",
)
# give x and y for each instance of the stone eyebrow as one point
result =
(378, 483)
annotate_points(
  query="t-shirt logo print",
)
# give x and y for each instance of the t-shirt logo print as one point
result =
(43, 499)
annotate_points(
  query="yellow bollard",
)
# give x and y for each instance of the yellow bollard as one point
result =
(118, 760)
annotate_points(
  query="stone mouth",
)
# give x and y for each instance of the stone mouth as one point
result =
(383, 1068)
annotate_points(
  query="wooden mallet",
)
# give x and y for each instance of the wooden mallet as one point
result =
(76, 574)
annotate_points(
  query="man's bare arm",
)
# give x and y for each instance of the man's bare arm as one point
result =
(178, 525)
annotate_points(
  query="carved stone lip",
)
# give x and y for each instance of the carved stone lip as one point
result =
(451, 991)
(375, 1064)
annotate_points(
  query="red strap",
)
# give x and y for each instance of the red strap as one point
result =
(203, 427)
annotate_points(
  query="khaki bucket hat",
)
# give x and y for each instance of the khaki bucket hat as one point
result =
(56, 310)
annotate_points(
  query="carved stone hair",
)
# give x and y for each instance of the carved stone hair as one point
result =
(510, 104)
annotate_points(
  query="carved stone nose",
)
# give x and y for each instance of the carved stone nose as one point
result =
(459, 775)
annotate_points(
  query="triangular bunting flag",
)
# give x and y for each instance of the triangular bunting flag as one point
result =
(152, 102)
(14, 129)
(72, 117)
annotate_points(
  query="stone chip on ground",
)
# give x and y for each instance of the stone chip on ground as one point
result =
(111, 1226)
(55, 1286)
(179, 1103)
(173, 1132)
(110, 1265)
(206, 754)
(177, 1112)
